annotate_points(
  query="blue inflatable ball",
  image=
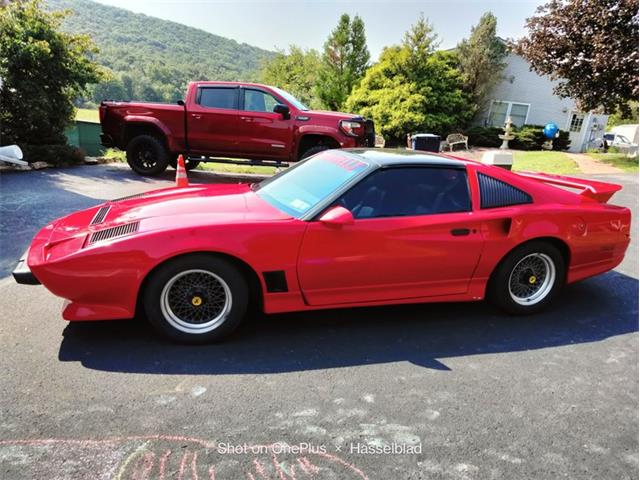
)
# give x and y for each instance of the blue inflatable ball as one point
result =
(550, 130)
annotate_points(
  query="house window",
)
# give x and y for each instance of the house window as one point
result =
(501, 110)
(577, 119)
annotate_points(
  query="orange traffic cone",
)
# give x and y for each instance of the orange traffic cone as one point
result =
(181, 173)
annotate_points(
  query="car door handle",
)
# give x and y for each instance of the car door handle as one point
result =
(459, 232)
(247, 119)
(196, 116)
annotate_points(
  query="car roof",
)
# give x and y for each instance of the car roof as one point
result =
(386, 157)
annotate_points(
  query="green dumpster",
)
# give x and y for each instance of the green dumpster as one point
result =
(86, 135)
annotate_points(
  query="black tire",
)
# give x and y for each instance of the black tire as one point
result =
(147, 155)
(163, 293)
(188, 164)
(313, 150)
(517, 298)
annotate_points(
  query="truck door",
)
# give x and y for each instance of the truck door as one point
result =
(262, 132)
(213, 121)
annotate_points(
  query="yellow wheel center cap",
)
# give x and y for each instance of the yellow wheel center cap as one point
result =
(196, 301)
(532, 279)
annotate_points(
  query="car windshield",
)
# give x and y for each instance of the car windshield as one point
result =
(297, 190)
(291, 99)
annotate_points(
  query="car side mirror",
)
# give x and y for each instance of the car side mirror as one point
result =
(180, 102)
(337, 216)
(282, 109)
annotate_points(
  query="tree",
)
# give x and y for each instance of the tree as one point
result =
(42, 71)
(296, 72)
(421, 40)
(481, 59)
(591, 46)
(344, 61)
(412, 88)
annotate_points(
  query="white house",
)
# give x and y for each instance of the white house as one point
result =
(528, 98)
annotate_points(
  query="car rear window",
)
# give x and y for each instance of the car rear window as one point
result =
(495, 193)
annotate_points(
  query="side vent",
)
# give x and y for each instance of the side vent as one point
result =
(113, 232)
(276, 281)
(128, 197)
(496, 193)
(100, 215)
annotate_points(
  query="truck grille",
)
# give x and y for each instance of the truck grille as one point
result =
(113, 232)
(100, 215)
(370, 133)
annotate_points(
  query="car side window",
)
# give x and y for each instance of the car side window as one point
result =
(259, 101)
(216, 97)
(408, 191)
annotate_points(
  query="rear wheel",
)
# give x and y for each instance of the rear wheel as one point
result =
(196, 299)
(146, 155)
(528, 279)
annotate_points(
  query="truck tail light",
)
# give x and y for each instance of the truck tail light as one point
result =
(351, 128)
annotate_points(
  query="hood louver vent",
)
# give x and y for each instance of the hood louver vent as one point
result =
(100, 215)
(113, 232)
(129, 197)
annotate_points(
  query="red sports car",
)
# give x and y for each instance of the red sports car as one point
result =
(343, 228)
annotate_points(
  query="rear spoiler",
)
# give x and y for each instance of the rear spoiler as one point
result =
(599, 191)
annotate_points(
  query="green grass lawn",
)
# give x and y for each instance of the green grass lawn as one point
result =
(121, 156)
(544, 161)
(229, 168)
(619, 160)
(87, 115)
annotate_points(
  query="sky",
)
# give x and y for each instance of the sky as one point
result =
(307, 23)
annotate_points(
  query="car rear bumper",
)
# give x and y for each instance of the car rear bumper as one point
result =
(22, 274)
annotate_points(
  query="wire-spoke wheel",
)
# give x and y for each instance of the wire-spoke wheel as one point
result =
(196, 298)
(531, 279)
(195, 301)
(528, 278)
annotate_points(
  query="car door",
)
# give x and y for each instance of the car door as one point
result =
(213, 120)
(263, 133)
(414, 235)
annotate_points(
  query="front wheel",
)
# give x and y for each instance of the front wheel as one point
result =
(196, 299)
(528, 279)
(313, 150)
(188, 164)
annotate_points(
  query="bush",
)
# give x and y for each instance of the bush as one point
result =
(527, 137)
(484, 136)
(58, 155)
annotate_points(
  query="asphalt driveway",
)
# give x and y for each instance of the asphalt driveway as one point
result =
(455, 391)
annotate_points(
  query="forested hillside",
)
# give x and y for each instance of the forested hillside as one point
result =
(153, 59)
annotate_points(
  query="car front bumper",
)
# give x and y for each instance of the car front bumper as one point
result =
(22, 274)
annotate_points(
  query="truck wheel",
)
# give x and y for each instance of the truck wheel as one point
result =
(146, 155)
(313, 150)
(188, 164)
(196, 299)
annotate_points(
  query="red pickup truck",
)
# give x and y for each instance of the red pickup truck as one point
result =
(226, 120)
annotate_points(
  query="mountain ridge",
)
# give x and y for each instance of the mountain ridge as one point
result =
(153, 59)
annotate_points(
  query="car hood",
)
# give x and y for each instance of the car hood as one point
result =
(172, 208)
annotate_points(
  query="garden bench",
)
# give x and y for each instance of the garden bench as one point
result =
(455, 139)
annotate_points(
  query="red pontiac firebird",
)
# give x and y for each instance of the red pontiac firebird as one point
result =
(344, 228)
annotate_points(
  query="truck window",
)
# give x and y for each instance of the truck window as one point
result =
(213, 97)
(259, 101)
